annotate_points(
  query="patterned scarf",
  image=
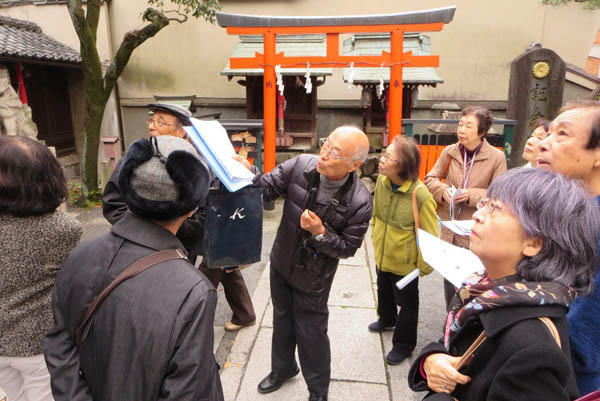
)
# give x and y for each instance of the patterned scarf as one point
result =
(479, 294)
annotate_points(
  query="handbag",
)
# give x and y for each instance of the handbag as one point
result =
(233, 227)
(131, 271)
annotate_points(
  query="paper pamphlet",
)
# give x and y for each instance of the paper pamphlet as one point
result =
(211, 140)
(452, 262)
(400, 284)
(460, 227)
(454, 192)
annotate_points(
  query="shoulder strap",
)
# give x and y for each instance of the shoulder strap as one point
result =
(553, 330)
(468, 355)
(131, 271)
(415, 208)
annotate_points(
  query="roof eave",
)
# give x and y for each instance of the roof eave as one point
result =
(445, 15)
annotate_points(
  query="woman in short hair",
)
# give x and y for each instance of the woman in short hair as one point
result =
(394, 243)
(461, 175)
(539, 133)
(35, 239)
(536, 234)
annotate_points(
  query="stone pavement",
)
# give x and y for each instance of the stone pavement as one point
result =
(358, 368)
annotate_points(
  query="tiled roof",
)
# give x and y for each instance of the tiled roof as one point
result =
(25, 40)
(370, 44)
(290, 45)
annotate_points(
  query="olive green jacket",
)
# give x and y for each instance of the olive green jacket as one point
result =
(394, 226)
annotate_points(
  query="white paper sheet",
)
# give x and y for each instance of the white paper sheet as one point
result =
(400, 284)
(452, 262)
(211, 140)
(460, 227)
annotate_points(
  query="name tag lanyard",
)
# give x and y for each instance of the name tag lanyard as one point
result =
(465, 174)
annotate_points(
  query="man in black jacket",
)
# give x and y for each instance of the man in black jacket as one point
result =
(325, 216)
(152, 336)
(168, 119)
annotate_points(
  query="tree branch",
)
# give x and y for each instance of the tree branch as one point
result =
(183, 17)
(131, 41)
(90, 60)
(92, 16)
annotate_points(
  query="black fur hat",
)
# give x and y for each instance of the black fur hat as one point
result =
(161, 178)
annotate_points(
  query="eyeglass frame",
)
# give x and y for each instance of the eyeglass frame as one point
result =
(334, 153)
(158, 123)
(384, 156)
(489, 205)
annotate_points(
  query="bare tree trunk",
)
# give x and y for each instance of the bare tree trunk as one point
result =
(99, 88)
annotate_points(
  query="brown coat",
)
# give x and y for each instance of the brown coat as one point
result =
(489, 164)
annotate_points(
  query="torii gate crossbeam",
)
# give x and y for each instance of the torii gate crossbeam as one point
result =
(396, 59)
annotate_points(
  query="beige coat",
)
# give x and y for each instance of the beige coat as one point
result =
(449, 170)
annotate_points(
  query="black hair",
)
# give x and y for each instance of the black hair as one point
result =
(32, 181)
(484, 118)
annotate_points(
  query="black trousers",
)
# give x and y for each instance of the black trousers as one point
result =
(236, 293)
(389, 298)
(300, 319)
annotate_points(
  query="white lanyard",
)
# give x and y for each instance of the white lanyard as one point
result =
(465, 175)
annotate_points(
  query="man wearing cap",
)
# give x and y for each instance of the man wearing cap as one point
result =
(152, 336)
(326, 214)
(169, 120)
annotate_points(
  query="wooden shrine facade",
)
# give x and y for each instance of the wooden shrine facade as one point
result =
(396, 59)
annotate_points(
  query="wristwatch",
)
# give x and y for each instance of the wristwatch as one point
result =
(319, 237)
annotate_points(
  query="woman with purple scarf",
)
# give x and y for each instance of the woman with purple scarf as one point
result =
(536, 234)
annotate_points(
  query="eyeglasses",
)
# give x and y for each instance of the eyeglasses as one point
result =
(158, 123)
(386, 156)
(489, 205)
(326, 149)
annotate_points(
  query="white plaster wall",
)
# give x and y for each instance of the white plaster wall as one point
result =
(475, 49)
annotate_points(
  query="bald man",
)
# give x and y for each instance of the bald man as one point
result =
(326, 214)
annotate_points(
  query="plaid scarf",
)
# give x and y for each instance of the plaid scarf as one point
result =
(479, 294)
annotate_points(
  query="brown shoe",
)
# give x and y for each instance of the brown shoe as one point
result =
(230, 326)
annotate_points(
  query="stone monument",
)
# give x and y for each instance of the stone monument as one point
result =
(15, 117)
(537, 80)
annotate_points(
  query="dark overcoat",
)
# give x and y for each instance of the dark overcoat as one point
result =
(519, 360)
(346, 226)
(151, 338)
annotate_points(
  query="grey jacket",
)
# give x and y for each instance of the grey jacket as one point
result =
(31, 252)
(346, 224)
(151, 338)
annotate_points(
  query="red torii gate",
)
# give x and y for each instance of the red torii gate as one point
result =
(396, 59)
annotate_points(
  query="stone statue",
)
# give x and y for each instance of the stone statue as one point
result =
(15, 117)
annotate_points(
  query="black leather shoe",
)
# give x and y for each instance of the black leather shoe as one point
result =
(396, 357)
(314, 397)
(379, 326)
(274, 381)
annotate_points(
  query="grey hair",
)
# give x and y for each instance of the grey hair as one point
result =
(360, 154)
(563, 215)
